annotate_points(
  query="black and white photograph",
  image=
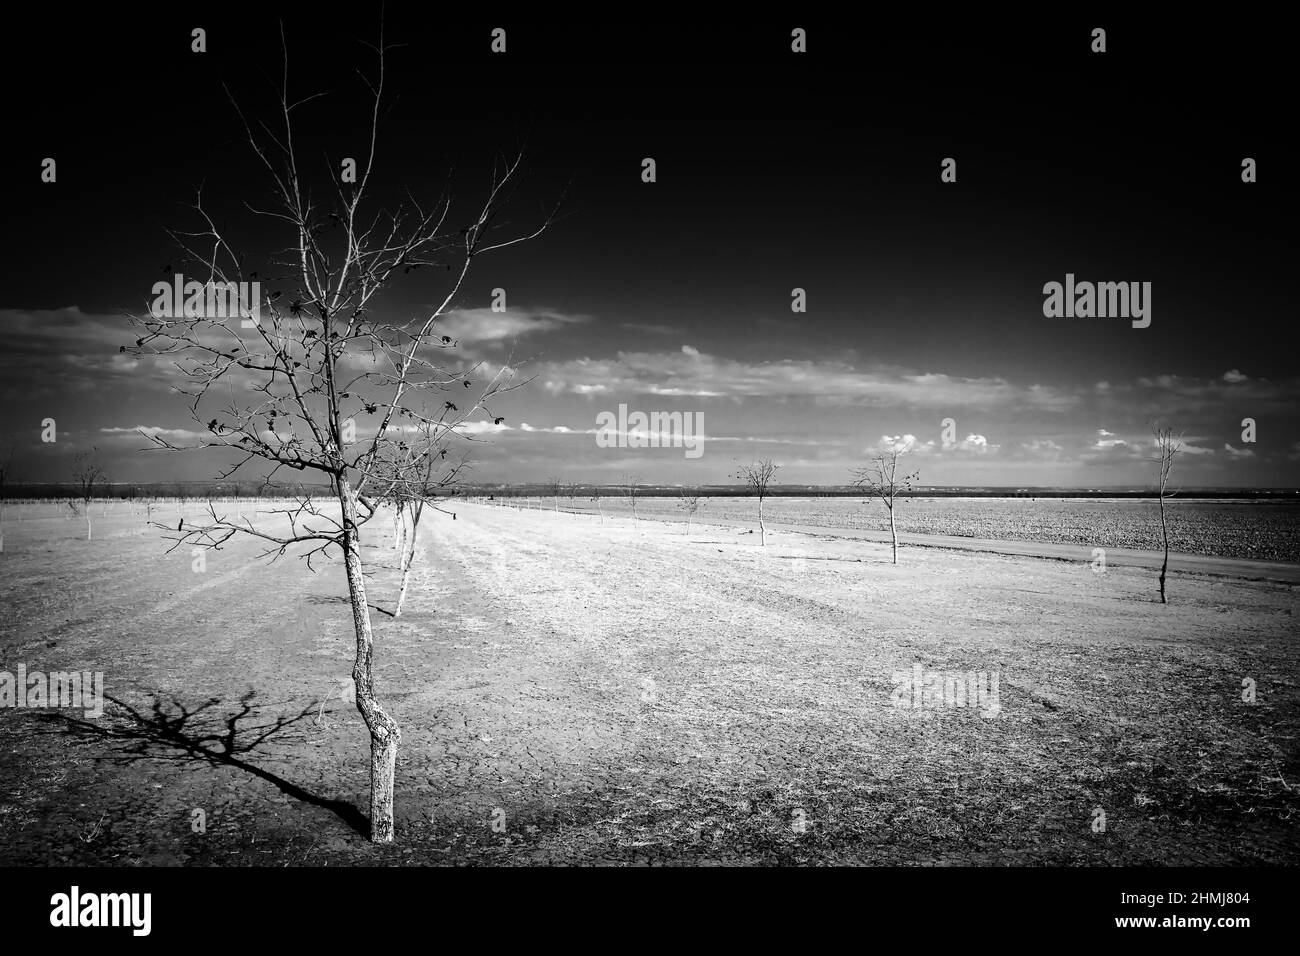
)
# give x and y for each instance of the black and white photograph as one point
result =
(477, 440)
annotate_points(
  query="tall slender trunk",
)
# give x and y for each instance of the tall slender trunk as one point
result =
(406, 577)
(384, 733)
(87, 520)
(1164, 531)
(893, 533)
(762, 530)
(408, 557)
(689, 519)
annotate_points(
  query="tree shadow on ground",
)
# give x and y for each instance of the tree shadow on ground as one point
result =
(172, 731)
(343, 599)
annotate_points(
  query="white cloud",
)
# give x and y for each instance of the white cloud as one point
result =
(555, 429)
(482, 428)
(690, 372)
(973, 443)
(1107, 440)
(477, 326)
(172, 435)
(909, 444)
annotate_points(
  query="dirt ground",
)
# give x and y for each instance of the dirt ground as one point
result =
(577, 692)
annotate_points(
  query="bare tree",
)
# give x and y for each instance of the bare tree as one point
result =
(690, 504)
(555, 485)
(88, 473)
(421, 478)
(331, 389)
(1166, 447)
(758, 475)
(630, 485)
(398, 504)
(881, 477)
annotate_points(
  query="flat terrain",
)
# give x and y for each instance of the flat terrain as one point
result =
(1259, 530)
(632, 694)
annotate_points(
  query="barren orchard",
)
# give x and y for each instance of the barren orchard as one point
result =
(584, 690)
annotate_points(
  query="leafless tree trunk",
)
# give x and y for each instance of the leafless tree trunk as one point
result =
(413, 485)
(882, 479)
(408, 559)
(1164, 564)
(758, 476)
(384, 733)
(415, 509)
(1166, 447)
(630, 485)
(306, 395)
(88, 473)
(893, 533)
(690, 504)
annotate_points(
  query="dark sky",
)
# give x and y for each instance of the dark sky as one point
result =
(775, 171)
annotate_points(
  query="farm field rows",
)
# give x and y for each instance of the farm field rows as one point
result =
(1256, 530)
(632, 694)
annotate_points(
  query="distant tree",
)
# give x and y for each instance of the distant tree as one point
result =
(690, 504)
(420, 478)
(88, 473)
(758, 475)
(1166, 447)
(630, 485)
(555, 486)
(881, 477)
(595, 496)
